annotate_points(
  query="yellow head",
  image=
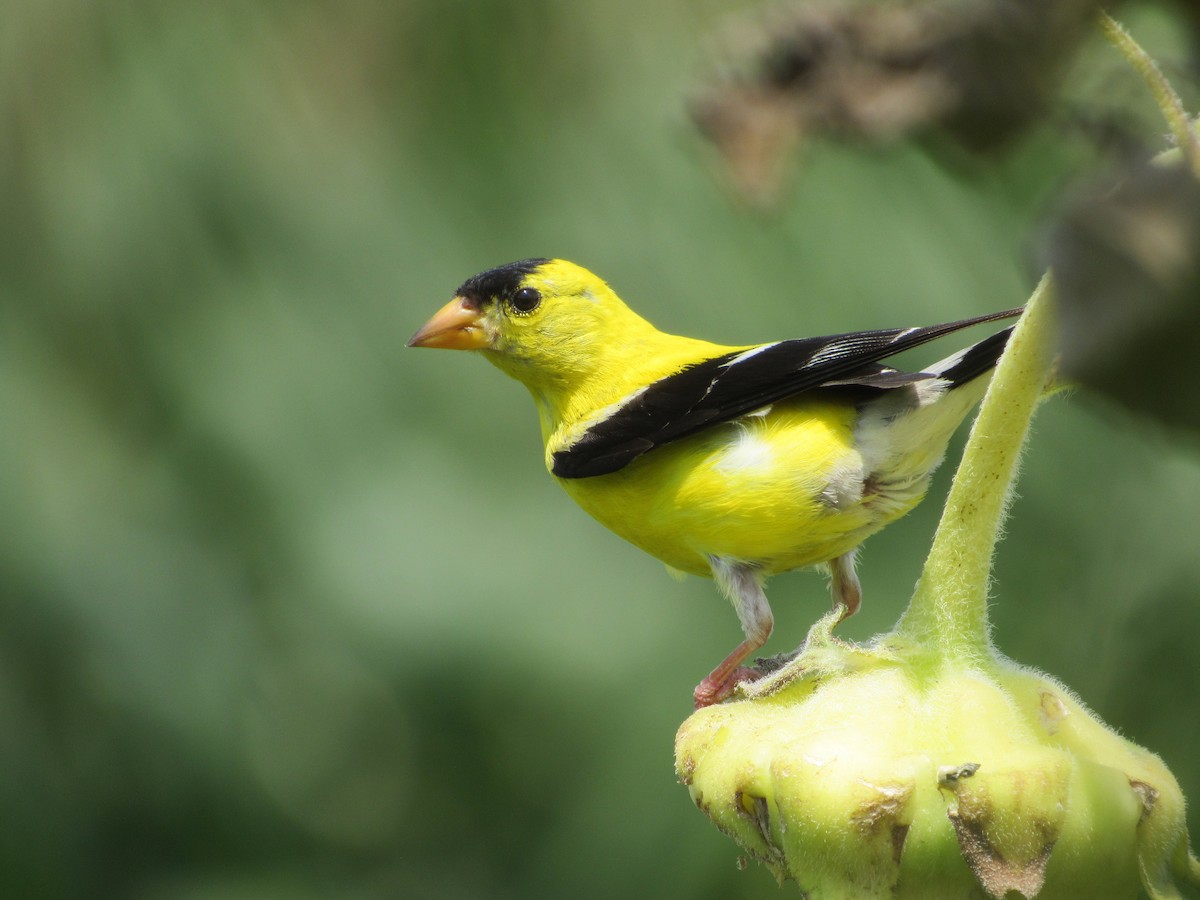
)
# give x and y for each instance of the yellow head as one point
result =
(547, 322)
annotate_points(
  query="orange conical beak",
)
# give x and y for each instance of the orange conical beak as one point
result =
(456, 326)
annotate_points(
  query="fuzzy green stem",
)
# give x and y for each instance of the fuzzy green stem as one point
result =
(948, 611)
(1164, 95)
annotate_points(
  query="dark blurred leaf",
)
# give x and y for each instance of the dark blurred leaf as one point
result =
(1127, 262)
(982, 71)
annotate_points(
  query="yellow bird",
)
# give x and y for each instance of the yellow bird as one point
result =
(731, 462)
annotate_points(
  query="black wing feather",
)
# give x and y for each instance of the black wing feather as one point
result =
(723, 388)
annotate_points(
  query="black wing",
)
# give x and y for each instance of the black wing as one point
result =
(725, 387)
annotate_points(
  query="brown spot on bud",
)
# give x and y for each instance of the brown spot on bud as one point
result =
(1147, 796)
(948, 775)
(1051, 712)
(687, 768)
(999, 876)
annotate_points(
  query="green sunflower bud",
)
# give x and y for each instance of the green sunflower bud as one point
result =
(883, 780)
(927, 764)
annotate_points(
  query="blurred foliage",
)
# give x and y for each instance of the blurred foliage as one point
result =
(287, 611)
(980, 72)
(1139, 239)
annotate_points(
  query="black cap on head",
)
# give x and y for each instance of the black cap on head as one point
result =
(501, 281)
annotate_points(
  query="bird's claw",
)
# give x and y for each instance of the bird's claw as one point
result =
(711, 691)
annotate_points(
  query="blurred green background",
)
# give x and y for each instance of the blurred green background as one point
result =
(287, 610)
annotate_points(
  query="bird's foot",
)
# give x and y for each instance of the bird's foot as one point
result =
(821, 653)
(712, 690)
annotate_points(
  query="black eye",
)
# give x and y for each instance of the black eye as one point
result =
(525, 300)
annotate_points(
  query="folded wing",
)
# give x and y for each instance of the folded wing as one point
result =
(724, 387)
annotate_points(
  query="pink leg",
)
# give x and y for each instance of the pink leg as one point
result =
(722, 680)
(847, 592)
(743, 586)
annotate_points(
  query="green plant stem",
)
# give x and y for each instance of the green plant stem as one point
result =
(948, 611)
(1164, 95)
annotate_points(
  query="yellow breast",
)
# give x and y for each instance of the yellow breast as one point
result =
(782, 489)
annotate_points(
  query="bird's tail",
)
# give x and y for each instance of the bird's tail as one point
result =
(967, 365)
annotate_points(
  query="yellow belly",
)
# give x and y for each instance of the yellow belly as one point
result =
(783, 490)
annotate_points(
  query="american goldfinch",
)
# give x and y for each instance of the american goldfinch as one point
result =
(731, 462)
